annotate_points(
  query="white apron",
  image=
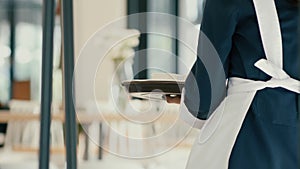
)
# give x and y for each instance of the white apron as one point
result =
(218, 134)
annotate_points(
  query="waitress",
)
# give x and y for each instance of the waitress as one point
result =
(255, 125)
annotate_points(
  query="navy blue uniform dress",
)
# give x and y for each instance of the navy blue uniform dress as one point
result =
(268, 138)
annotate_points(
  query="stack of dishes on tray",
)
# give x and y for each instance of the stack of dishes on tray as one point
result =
(156, 88)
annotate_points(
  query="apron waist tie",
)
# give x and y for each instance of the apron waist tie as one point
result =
(279, 79)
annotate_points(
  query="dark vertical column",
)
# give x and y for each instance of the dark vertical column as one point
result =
(101, 135)
(70, 118)
(139, 22)
(46, 98)
(298, 127)
(175, 12)
(12, 21)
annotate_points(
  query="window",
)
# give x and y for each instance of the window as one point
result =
(161, 53)
(164, 54)
(21, 46)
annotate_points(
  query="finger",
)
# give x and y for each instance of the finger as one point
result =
(172, 99)
(173, 96)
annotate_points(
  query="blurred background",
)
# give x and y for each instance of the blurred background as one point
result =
(20, 81)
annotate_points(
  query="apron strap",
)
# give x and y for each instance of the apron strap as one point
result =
(270, 32)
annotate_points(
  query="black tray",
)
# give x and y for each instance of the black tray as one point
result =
(153, 89)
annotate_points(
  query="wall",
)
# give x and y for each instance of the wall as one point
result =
(90, 16)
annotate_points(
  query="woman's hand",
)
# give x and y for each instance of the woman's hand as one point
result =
(173, 99)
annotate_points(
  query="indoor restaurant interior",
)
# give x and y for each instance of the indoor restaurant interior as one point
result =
(63, 64)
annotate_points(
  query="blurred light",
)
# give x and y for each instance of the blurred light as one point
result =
(2, 62)
(23, 56)
(4, 51)
(192, 10)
